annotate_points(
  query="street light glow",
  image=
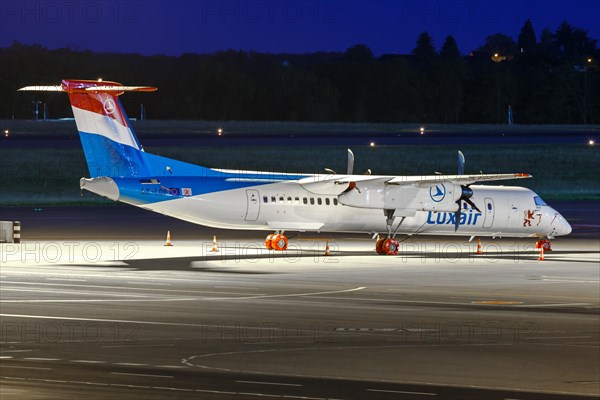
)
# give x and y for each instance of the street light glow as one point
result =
(6, 133)
(220, 131)
(591, 142)
(422, 130)
(372, 144)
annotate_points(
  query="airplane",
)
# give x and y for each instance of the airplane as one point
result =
(436, 204)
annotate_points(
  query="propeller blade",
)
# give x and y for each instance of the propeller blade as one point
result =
(457, 215)
(461, 163)
(350, 167)
(469, 202)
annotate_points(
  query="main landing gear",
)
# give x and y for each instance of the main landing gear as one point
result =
(276, 241)
(389, 245)
(545, 243)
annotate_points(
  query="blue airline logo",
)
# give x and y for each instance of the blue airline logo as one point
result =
(449, 218)
(437, 192)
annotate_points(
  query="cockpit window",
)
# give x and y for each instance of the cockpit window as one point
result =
(539, 202)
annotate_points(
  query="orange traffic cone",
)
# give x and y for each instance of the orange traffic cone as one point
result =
(215, 249)
(168, 242)
(479, 249)
(541, 257)
(327, 253)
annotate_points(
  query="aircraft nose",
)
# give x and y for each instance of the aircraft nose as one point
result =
(561, 226)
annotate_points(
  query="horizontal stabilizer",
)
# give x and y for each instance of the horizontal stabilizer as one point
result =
(113, 88)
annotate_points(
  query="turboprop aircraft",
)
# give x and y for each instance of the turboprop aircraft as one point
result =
(121, 170)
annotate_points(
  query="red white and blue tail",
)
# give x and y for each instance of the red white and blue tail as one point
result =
(109, 143)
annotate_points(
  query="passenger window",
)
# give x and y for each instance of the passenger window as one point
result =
(273, 199)
(289, 200)
(281, 199)
(335, 202)
(265, 199)
(489, 206)
(312, 200)
(297, 200)
(327, 201)
(305, 200)
(319, 201)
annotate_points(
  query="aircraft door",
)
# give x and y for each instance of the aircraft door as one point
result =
(253, 205)
(488, 212)
(514, 216)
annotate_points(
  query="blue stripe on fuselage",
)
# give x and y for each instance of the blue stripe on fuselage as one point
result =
(130, 167)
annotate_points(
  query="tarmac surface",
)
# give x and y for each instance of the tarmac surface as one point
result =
(92, 304)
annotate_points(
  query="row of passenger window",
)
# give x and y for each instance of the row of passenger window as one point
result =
(305, 200)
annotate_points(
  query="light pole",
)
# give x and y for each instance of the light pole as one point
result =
(36, 111)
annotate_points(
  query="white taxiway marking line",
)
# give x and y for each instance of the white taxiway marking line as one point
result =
(560, 337)
(75, 300)
(138, 345)
(214, 391)
(148, 375)
(41, 359)
(5, 357)
(72, 286)
(67, 279)
(130, 364)
(16, 351)
(88, 361)
(551, 305)
(18, 366)
(403, 392)
(87, 275)
(286, 295)
(269, 383)
(568, 281)
(80, 293)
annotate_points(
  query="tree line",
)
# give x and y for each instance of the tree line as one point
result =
(553, 79)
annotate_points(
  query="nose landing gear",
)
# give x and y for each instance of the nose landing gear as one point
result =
(545, 243)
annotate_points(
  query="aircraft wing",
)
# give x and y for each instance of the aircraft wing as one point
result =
(337, 184)
(457, 179)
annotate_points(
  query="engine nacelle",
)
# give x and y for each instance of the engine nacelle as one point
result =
(378, 194)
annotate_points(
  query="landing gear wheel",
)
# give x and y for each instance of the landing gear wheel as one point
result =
(268, 244)
(379, 246)
(391, 247)
(279, 242)
(545, 243)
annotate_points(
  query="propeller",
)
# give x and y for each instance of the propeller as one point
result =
(350, 167)
(465, 195)
(461, 163)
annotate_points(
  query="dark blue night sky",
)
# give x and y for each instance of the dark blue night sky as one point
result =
(176, 27)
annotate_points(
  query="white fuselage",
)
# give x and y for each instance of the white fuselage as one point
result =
(506, 211)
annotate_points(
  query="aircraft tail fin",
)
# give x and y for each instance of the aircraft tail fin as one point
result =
(109, 142)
